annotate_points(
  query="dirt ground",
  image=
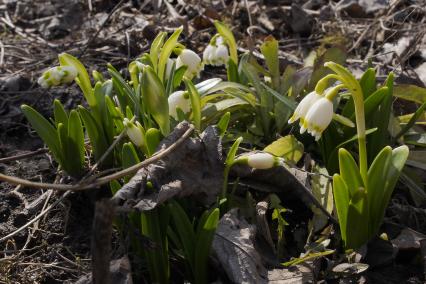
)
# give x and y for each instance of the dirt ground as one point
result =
(56, 248)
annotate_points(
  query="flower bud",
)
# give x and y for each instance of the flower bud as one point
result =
(135, 132)
(178, 99)
(57, 75)
(193, 62)
(261, 161)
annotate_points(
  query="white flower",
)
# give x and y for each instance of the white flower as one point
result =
(216, 53)
(318, 117)
(208, 53)
(180, 100)
(303, 107)
(57, 75)
(193, 62)
(134, 132)
(261, 161)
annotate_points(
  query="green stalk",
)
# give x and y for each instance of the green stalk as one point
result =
(356, 92)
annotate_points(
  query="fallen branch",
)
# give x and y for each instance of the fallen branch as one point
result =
(103, 180)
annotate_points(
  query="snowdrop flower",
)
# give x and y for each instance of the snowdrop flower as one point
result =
(178, 99)
(318, 117)
(57, 75)
(262, 161)
(135, 132)
(304, 106)
(216, 53)
(193, 62)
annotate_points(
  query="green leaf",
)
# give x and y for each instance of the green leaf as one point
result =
(372, 103)
(398, 159)
(229, 38)
(269, 49)
(154, 96)
(83, 79)
(341, 199)
(222, 125)
(156, 45)
(195, 102)
(419, 112)
(153, 138)
(59, 113)
(232, 71)
(115, 186)
(76, 142)
(45, 130)
(129, 156)
(357, 220)
(410, 93)
(368, 82)
(67, 163)
(123, 89)
(166, 51)
(203, 246)
(380, 119)
(99, 144)
(178, 76)
(377, 174)
(233, 151)
(185, 231)
(349, 171)
(287, 147)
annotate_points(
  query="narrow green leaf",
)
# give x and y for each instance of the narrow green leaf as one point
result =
(76, 141)
(232, 71)
(45, 130)
(357, 220)
(156, 45)
(419, 112)
(377, 174)
(269, 49)
(129, 156)
(203, 247)
(154, 96)
(222, 125)
(195, 102)
(398, 159)
(349, 171)
(99, 144)
(233, 151)
(59, 113)
(166, 51)
(341, 199)
(83, 79)
(185, 231)
(368, 82)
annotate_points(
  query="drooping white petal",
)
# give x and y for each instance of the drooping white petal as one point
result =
(193, 62)
(319, 117)
(221, 55)
(209, 53)
(261, 161)
(304, 105)
(178, 100)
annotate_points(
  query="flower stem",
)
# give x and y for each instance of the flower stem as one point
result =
(357, 95)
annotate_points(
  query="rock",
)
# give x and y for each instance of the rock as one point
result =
(301, 22)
